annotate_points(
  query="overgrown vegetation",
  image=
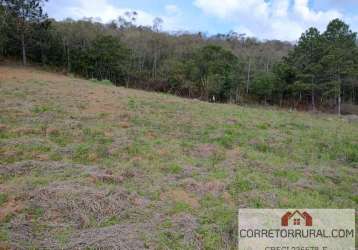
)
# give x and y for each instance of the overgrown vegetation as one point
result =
(320, 71)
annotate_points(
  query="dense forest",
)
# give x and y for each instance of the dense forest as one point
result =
(318, 72)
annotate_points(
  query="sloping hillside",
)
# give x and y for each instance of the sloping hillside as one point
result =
(85, 164)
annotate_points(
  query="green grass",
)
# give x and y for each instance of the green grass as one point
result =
(217, 222)
(290, 175)
(180, 207)
(174, 169)
(263, 158)
(102, 82)
(3, 198)
(110, 221)
(63, 235)
(4, 234)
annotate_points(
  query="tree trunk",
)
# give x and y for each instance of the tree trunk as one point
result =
(68, 59)
(353, 93)
(268, 65)
(24, 61)
(155, 66)
(312, 96)
(248, 77)
(237, 95)
(339, 104)
(204, 91)
(43, 55)
(339, 95)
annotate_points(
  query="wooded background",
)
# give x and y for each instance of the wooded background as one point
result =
(318, 72)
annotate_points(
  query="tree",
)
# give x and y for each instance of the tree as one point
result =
(308, 55)
(263, 85)
(107, 59)
(285, 75)
(157, 24)
(41, 40)
(25, 12)
(340, 60)
(320, 69)
(3, 29)
(128, 20)
(324, 65)
(216, 72)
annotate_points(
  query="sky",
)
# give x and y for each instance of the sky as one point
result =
(264, 19)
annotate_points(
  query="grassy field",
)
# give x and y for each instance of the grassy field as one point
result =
(84, 164)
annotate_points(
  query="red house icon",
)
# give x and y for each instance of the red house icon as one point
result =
(295, 219)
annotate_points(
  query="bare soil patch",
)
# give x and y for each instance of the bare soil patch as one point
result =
(178, 195)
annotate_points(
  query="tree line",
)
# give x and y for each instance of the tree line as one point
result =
(318, 72)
